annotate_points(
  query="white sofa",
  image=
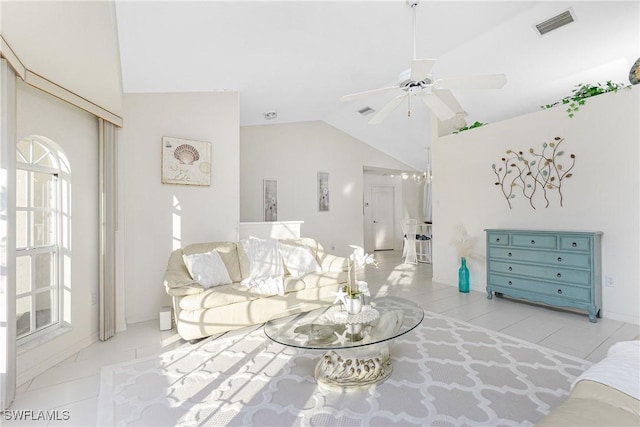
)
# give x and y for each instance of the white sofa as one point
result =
(607, 394)
(201, 312)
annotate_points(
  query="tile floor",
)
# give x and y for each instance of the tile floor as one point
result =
(74, 384)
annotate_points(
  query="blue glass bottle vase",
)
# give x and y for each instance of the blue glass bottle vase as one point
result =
(463, 276)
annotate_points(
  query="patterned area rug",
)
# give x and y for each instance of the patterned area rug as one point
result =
(445, 373)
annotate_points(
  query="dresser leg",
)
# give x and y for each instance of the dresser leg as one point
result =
(592, 314)
(489, 294)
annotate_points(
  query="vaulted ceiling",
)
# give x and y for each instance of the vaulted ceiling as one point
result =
(299, 57)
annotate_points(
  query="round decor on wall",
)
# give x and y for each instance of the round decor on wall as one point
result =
(634, 73)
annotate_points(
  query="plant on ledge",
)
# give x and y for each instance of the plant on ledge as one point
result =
(583, 91)
(542, 172)
(474, 125)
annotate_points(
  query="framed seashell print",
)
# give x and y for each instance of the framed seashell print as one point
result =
(185, 161)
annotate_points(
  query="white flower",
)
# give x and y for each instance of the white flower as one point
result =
(360, 258)
(363, 288)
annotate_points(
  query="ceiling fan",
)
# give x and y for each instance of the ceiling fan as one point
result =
(436, 95)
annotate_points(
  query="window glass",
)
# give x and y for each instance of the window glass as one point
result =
(23, 274)
(45, 270)
(22, 228)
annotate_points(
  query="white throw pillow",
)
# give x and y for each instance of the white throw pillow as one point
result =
(299, 260)
(208, 269)
(266, 272)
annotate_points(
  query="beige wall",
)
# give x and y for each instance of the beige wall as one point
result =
(155, 218)
(602, 194)
(293, 154)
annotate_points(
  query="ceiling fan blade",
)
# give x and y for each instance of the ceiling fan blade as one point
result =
(368, 92)
(487, 81)
(388, 108)
(438, 106)
(420, 68)
(448, 98)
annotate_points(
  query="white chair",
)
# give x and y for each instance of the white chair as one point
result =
(409, 231)
(423, 240)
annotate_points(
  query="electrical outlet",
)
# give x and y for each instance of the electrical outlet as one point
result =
(609, 282)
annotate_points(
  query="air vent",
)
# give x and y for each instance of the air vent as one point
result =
(556, 22)
(366, 111)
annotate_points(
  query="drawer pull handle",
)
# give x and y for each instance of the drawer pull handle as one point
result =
(559, 259)
(510, 268)
(560, 291)
(559, 275)
(510, 283)
(533, 242)
(497, 240)
(574, 244)
(509, 254)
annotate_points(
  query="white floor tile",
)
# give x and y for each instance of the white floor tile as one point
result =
(73, 384)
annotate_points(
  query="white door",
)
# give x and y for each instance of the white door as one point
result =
(383, 201)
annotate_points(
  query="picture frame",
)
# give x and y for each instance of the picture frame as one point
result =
(186, 162)
(323, 192)
(270, 199)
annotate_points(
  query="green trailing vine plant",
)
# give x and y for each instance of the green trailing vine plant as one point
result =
(474, 125)
(583, 91)
(541, 173)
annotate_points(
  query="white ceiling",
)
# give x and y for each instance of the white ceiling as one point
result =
(299, 57)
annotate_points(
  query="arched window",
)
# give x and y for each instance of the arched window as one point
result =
(42, 235)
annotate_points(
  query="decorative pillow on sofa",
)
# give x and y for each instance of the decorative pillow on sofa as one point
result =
(266, 272)
(299, 260)
(208, 269)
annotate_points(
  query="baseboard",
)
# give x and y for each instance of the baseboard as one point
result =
(34, 371)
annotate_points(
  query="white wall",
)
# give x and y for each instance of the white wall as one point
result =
(602, 194)
(76, 132)
(155, 218)
(293, 154)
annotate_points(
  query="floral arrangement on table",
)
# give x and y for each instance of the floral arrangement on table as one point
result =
(354, 287)
(464, 243)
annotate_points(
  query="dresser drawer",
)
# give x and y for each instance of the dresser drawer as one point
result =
(550, 258)
(542, 288)
(575, 243)
(534, 241)
(557, 274)
(500, 239)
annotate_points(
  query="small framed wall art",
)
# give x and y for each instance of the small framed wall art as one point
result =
(270, 199)
(185, 161)
(323, 192)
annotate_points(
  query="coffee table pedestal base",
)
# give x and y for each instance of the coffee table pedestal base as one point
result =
(354, 369)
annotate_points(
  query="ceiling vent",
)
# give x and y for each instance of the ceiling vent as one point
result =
(366, 111)
(556, 22)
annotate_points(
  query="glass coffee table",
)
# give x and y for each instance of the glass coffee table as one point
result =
(356, 346)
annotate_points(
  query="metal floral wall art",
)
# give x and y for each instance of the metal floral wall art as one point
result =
(186, 162)
(535, 175)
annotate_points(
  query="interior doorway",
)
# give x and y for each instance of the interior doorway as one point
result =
(383, 217)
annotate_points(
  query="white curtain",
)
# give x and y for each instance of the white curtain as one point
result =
(7, 235)
(108, 226)
(427, 208)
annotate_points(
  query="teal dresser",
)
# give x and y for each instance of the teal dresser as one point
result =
(559, 268)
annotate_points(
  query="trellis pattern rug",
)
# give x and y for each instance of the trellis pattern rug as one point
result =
(445, 373)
